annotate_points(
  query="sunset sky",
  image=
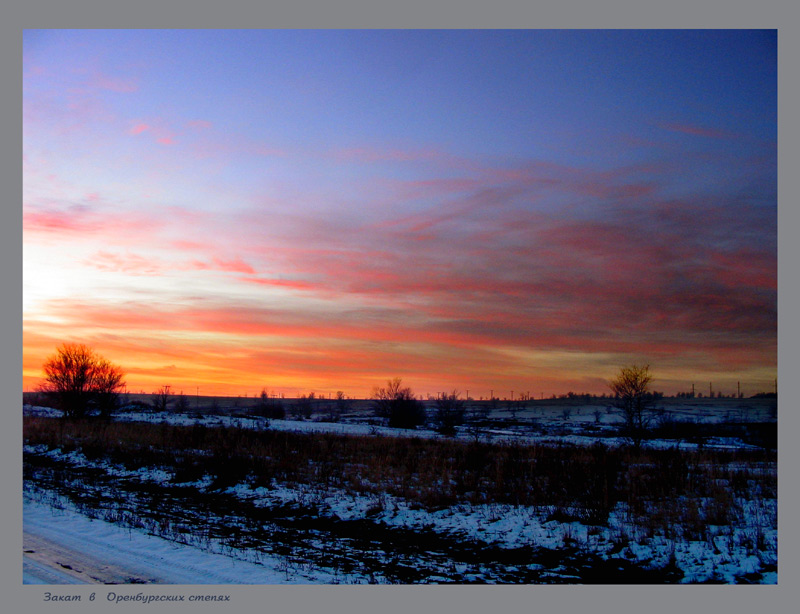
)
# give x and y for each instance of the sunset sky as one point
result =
(466, 209)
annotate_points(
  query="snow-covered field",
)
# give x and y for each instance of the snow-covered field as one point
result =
(89, 547)
(519, 543)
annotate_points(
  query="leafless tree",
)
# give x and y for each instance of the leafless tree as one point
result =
(399, 405)
(632, 396)
(339, 407)
(77, 378)
(182, 403)
(161, 398)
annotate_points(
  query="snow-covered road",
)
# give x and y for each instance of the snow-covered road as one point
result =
(64, 547)
(35, 571)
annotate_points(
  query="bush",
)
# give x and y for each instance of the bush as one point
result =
(304, 407)
(269, 407)
(398, 405)
(449, 413)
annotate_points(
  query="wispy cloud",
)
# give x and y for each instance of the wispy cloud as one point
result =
(139, 129)
(159, 131)
(489, 228)
(83, 220)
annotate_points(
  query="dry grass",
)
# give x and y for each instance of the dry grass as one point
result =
(660, 489)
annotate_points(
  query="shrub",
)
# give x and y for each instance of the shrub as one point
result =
(269, 407)
(398, 405)
(449, 413)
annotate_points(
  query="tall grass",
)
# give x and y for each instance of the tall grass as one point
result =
(659, 489)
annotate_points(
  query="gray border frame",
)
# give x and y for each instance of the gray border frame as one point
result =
(768, 14)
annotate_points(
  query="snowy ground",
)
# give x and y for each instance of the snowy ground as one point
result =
(69, 546)
(102, 552)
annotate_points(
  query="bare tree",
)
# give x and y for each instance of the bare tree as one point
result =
(182, 403)
(161, 398)
(107, 384)
(477, 420)
(77, 378)
(632, 396)
(340, 406)
(399, 405)
(449, 413)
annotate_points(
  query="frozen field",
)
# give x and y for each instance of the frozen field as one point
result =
(152, 527)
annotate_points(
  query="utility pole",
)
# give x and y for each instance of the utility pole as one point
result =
(692, 389)
(738, 391)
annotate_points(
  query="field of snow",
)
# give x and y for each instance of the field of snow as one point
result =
(89, 546)
(557, 422)
(326, 535)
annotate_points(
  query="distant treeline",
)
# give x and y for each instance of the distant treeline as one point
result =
(144, 400)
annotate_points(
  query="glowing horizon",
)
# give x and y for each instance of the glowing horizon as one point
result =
(472, 210)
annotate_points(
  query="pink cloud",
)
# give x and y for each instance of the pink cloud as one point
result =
(161, 134)
(54, 221)
(139, 129)
(291, 284)
(234, 266)
(128, 264)
(633, 279)
(134, 264)
(86, 220)
(483, 266)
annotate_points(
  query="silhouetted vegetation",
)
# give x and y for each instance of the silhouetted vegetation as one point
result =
(663, 491)
(632, 396)
(78, 380)
(161, 399)
(398, 405)
(269, 406)
(449, 413)
(304, 407)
